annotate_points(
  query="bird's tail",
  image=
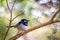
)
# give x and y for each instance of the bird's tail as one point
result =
(11, 26)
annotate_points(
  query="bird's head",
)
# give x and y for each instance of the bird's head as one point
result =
(24, 22)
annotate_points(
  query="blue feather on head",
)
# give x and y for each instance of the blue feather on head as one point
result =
(24, 22)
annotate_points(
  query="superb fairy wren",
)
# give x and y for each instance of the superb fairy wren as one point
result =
(22, 25)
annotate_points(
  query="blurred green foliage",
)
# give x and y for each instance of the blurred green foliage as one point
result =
(24, 3)
(58, 34)
(2, 2)
(3, 27)
(19, 0)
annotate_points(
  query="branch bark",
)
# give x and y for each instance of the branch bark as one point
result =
(10, 10)
(13, 5)
(17, 16)
(54, 15)
(34, 28)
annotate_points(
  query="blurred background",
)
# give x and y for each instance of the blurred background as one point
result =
(37, 11)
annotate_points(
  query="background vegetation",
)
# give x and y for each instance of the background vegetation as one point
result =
(37, 11)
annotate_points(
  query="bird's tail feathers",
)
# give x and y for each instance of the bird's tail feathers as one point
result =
(11, 26)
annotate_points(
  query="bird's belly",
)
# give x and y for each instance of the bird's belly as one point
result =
(22, 28)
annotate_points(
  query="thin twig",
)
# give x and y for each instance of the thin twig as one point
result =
(7, 30)
(17, 16)
(54, 15)
(34, 28)
(10, 10)
(13, 5)
(7, 5)
(10, 20)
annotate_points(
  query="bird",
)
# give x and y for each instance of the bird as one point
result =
(22, 25)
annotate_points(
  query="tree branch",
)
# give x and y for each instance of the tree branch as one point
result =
(7, 5)
(13, 5)
(17, 16)
(34, 28)
(10, 10)
(54, 15)
(37, 26)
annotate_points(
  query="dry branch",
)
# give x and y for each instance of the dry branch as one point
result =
(10, 10)
(17, 16)
(54, 15)
(13, 5)
(34, 28)
(10, 19)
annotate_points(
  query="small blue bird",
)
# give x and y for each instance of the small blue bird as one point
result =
(22, 25)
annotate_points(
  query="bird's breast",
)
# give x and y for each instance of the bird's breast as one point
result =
(22, 27)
